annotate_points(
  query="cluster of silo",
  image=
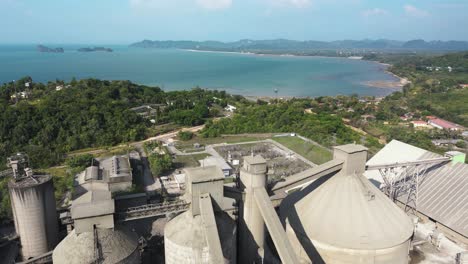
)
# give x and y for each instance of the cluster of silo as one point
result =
(344, 218)
(34, 211)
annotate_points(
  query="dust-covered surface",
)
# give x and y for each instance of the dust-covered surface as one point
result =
(280, 163)
(436, 249)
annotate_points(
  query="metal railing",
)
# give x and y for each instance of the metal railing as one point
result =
(151, 210)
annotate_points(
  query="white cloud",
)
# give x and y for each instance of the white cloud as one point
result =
(214, 4)
(414, 11)
(374, 12)
(293, 3)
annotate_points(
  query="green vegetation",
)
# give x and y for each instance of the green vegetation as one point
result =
(82, 161)
(308, 150)
(185, 135)
(188, 161)
(5, 205)
(285, 117)
(90, 113)
(159, 159)
(434, 89)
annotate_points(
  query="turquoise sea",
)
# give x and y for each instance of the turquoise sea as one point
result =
(244, 74)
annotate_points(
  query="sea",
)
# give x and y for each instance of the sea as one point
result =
(173, 69)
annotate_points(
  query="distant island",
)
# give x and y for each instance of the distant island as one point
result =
(95, 49)
(309, 46)
(42, 48)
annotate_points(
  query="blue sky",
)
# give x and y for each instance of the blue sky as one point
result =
(127, 21)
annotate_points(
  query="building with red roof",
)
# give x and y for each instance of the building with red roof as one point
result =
(444, 124)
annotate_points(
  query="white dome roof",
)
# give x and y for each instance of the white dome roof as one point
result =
(117, 245)
(347, 211)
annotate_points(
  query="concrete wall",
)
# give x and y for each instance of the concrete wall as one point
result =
(120, 186)
(330, 254)
(35, 218)
(87, 224)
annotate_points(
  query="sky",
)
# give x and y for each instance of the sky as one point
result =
(128, 21)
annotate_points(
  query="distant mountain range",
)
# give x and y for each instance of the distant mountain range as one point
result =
(310, 45)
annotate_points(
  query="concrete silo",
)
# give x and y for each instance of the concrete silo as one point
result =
(203, 234)
(33, 205)
(117, 245)
(35, 215)
(344, 218)
(96, 238)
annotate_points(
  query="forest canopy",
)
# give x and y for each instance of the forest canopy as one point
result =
(89, 113)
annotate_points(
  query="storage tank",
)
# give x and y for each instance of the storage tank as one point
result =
(35, 215)
(117, 245)
(344, 218)
(185, 239)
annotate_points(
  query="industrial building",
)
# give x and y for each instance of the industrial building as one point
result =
(219, 162)
(331, 213)
(115, 172)
(33, 205)
(433, 186)
(96, 238)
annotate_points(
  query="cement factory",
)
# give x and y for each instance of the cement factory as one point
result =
(347, 210)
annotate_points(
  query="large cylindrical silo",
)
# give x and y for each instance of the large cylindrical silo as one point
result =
(35, 215)
(346, 220)
(185, 239)
(107, 246)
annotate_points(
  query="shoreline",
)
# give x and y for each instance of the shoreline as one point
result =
(381, 84)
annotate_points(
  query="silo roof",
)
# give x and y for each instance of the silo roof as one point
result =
(202, 174)
(116, 245)
(347, 211)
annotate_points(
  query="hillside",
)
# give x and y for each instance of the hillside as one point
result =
(90, 113)
(286, 45)
(435, 83)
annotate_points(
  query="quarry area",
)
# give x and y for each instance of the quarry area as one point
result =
(259, 198)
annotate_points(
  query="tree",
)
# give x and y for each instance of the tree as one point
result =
(185, 135)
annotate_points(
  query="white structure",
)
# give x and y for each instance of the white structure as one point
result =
(230, 108)
(420, 124)
(219, 162)
(343, 218)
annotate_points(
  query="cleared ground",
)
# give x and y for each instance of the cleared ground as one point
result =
(280, 163)
(188, 161)
(314, 153)
(188, 146)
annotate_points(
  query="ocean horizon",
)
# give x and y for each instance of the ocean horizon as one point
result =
(173, 69)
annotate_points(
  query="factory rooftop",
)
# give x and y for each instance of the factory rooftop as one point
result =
(443, 189)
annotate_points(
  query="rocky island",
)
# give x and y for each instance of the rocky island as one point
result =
(95, 49)
(42, 48)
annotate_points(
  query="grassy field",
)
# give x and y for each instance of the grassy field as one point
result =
(188, 161)
(314, 153)
(187, 146)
